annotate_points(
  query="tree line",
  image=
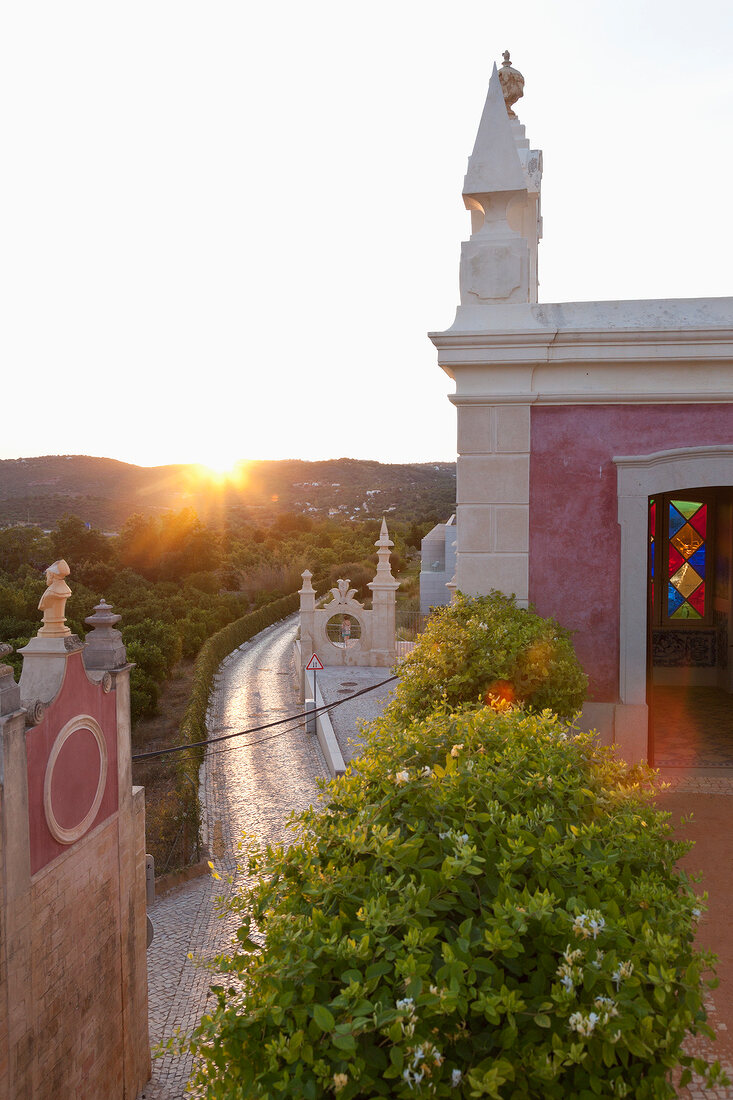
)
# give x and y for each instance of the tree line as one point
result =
(176, 580)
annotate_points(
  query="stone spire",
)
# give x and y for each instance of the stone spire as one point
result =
(384, 592)
(494, 164)
(501, 190)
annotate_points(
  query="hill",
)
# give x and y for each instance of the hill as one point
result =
(104, 492)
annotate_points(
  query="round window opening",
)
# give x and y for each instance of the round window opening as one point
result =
(343, 631)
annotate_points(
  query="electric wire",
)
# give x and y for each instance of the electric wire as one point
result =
(258, 729)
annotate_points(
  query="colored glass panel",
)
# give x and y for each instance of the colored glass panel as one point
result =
(685, 611)
(687, 541)
(675, 560)
(700, 520)
(674, 600)
(687, 508)
(652, 536)
(686, 580)
(697, 600)
(697, 561)
(676, 521)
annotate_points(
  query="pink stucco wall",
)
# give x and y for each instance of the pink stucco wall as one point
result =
(574, 537)
(77, 696)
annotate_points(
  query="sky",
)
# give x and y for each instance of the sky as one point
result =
(227, 227)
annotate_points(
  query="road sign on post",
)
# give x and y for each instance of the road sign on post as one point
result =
(314, 665)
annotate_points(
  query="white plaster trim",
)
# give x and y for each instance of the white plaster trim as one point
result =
(81, 721)
(639, 477)
(628, 397)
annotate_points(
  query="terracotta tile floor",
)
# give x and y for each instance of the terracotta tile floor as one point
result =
(693, 727)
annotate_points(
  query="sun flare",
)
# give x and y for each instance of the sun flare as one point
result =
(223, 471)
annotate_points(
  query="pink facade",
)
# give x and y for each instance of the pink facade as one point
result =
(574, 537)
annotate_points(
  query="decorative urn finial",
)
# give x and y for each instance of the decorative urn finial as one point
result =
(512, 83)
(53, 601)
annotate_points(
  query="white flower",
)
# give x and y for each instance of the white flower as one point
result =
(697, 913)
(462, 839)
(418, 1056)
(455, 750)
(455, 1078)
(621, 972)
(427, 772)
(596, 926)
(596, 964)
(402, 777)
(589, 924)
(579, 926)
(405, 1005)
(340, 1081)
(443, 835)
(584, 1025)
(567, 981)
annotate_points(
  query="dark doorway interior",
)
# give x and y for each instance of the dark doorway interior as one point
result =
(690, 679)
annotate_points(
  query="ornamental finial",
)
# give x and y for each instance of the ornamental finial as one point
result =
(512, 83)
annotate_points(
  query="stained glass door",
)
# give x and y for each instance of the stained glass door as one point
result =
(686, 559)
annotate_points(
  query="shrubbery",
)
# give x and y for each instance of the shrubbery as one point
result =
(485, 905)
(486, 646)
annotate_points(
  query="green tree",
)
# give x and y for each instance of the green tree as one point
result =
(484, 648)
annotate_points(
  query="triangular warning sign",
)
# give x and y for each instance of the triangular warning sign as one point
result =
(314, 665)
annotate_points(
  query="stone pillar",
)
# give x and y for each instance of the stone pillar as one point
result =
(307, 618)
(73, 969)
(105, 661)
(384, 597)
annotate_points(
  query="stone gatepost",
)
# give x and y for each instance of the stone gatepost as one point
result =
(307, 621)
(384, 597)
(73, 974)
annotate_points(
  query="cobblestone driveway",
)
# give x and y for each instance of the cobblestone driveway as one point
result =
(252, 789)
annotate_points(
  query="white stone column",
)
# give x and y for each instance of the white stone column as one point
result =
(307, 618)
(384, 597)
(492, 493)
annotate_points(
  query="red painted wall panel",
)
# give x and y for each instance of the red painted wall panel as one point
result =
(574, 536)
(77, 696)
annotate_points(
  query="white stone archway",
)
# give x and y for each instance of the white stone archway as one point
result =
(639, 477)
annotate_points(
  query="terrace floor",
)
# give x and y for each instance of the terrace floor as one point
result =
(693, 727)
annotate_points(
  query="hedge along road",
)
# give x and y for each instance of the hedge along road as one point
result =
(248, 787)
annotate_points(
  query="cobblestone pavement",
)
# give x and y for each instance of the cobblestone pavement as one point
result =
(248, 788)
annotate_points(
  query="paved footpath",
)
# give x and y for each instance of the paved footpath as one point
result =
(249, 788)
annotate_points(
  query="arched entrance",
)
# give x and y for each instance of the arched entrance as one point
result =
(675, 628)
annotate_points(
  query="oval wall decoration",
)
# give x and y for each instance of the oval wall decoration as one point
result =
(76, 775)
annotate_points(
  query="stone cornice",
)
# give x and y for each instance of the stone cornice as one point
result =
(581, 346)
(609, 397)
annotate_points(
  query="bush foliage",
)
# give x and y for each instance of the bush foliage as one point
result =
(485, 905)
(484, 646)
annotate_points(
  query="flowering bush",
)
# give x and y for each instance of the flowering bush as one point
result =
(494, 914)
(485, 647)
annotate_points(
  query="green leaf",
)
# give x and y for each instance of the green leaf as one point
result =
(344, 1042)
(323, 1017)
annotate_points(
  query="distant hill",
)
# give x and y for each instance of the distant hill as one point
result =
(105, 492)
